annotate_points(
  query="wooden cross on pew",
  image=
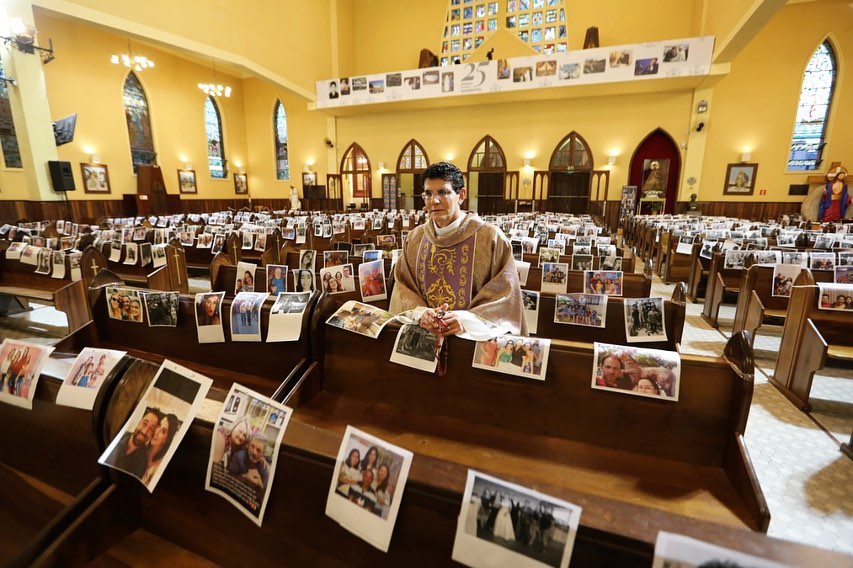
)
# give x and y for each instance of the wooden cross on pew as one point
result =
(177, 258)
(95, 268)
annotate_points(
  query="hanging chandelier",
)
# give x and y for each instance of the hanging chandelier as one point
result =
(136, 62)
(215, 89)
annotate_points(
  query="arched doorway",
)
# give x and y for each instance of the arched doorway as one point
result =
(413, 161)
(658, 147)
(570, 170)
(355, 175)
(486, 172)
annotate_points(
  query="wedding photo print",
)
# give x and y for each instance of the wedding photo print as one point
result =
(513, 355)
(504, 524)
(368, 482)
(149, 438)
(637, 371)
(244, 450)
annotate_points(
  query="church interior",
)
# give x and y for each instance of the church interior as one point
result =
(115, 111)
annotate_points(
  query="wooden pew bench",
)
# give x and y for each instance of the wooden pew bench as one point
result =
(810, 336)
(633, 285)
(19, 283)
(723, 284)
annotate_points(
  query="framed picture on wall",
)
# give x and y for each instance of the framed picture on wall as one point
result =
(309, 179)
(186, 181)
(241, 184)
(655, 177)
(740, 179)
(96, 178)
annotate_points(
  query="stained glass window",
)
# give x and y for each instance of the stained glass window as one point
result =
(282, 166)
(8, 138)
(526, 14)
(487, 155)
(813, 110)
(215, 144)
(571, 153)
(413, 158)
(355, 172)
(138, 123)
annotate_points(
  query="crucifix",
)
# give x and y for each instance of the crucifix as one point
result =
(95, 268)
(234, 249)
(177, 258)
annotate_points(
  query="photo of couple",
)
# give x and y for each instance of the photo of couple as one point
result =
(513, 355)
(244, 450)
(20, 368)
(637, 371)
(146, 443)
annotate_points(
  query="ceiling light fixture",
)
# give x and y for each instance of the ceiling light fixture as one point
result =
(215, 89)
(129, 60)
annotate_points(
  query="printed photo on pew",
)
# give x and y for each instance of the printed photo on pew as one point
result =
(285, 322)
(706, 251)
(20, 368)
(603, 282)
(505, 524)
(260, 242)
(161, 308)
(513, 355)
(307, 259)
(736, 259)
(158, 256)
(245, 279)
(523, 270)
(554, 277)
(43, 261)
(367, 486)
(767, 256)
(795, 257)
(784, 276)
(115, 251)
(303, 280)
(530, 300)
(371, 255)
(131, 254)
(679, 551)
(148, 440)
(835, 296)
(529, 244)
(547, 254)
(360, 248)
(74, 264)
(124, 304)
(636, 370)
(845, 258)
(247, 239)
(844, 274)
(371, 281)
(611, 262)
(822, 261)
(276, 278)
(244, 450)
(416, 347)
(246, 316)
(644, 320)
(364, 319)
(15, 249)
(208, 317)
(335, 258)
(685, 245)
(581, 262)
(58, 263)
(87, 374)
(337, 279)
(581, 309)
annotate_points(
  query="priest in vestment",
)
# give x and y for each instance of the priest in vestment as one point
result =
(456, 261)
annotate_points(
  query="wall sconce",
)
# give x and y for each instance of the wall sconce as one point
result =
(95, 158)
(188, 166)
(611, 160)
(526, 183)
(24, 38)
(307, 167)
(746, 156)
(527, 163)
(381, 165)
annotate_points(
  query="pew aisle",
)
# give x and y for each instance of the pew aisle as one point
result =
(806, 480)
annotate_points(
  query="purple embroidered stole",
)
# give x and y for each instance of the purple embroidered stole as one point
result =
(445, 273)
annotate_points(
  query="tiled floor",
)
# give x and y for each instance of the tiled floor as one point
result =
(807, 481)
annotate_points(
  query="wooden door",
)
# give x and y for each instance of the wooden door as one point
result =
(569, 192)
(490, 193)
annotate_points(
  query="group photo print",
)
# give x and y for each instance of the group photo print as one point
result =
(636, 371)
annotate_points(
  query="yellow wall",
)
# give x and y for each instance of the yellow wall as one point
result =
(609, 124)
(754, 107)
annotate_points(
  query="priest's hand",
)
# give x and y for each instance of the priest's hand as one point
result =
(441, 322)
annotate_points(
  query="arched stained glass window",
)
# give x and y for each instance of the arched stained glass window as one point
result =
(571, 153)
(813, 110)
(138, 123)
(215, 144)
(8, 138)
(487, 155)
(282, 166)
(413, 158)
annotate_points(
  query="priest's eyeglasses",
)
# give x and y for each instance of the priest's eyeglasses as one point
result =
(441, 194)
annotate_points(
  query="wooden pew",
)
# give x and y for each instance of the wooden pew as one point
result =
(697, 279)
(809, 337)
(19, 283)
(614, 330)
(633, 285)
(721, 281)
(677, 266)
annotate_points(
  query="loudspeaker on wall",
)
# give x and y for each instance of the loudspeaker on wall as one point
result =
(61, 176)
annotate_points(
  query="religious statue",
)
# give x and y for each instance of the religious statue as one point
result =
(653, 184)
(693, 205)
(295, 205)
(834, 199)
